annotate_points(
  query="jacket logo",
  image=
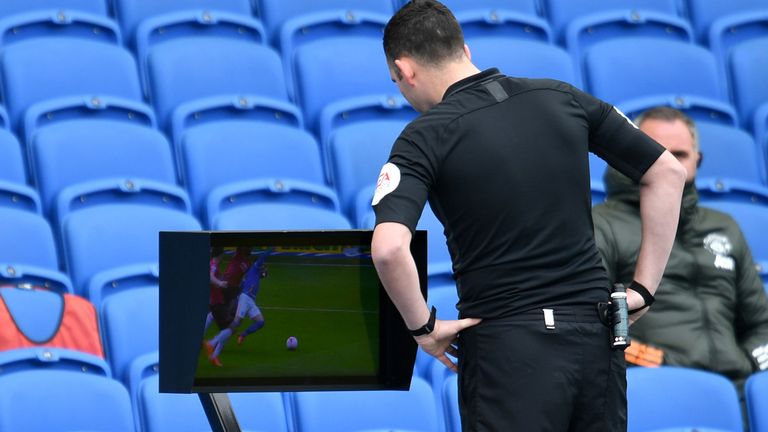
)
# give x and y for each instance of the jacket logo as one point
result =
(721, 247)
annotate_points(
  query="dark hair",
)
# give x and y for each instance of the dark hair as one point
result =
(666, 113)
(424, 30)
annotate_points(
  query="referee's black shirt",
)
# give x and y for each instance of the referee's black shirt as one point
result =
(504, 164)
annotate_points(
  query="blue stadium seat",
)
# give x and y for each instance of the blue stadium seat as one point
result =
(350, 411)
(315, 72)
(748, 63)
(563, 13)
(130, 326)
(14, 192)
(188, 56)
(528, 7)
(518, 19)
(503, 23)
(112, 225)
(732, 30)
(274, 13)
(451, 404)
(756, 394)
(584, 33)
(130, 13)
(56, 389)
(761, 129)
(439, 259)
(656, 68)
(28, 252)
(12, 164)
(731, 153)
(156, 412)
(57, 23)
(667, 397)
(270, 204)
(227, 141)
(706, 14)
(529, 59)
(47, 68)
(357, 136)
(696, 107)
(96, 7)
(96, 143)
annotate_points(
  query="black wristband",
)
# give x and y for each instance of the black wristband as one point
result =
(644, 293)
(428, 327)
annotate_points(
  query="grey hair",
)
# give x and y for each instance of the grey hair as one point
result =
(670, 114)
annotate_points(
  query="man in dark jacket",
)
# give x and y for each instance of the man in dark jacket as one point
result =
(711, 310)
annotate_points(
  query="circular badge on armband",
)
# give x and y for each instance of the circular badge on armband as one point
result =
(389, 179)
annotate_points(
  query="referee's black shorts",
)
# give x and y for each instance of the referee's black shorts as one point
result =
(517, 375)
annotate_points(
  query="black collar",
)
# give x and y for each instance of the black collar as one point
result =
(470, 81)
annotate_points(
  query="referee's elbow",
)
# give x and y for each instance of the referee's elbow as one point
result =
(390, 242)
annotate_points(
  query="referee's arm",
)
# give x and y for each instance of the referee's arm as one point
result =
(661, 189)
(397, 270)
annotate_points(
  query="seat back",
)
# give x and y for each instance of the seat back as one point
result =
(274, 13)
(130, 13)
(322, 77)
(756, 394)
(729, 153)
(106, 236)
(654, 67)
(13, 173)
(97, 7)
(223, 152)
(73, 401)
(704, 13)
(667, 397)
(530, 7)
(522, 58)
(362, 410)
(748, 62)
(130, 327)
(561, 13)
(71, 152)
(198, 56)
(26, 238)
(451, 404)
(48, 68)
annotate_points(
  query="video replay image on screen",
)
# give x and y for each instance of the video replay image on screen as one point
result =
(292, 311)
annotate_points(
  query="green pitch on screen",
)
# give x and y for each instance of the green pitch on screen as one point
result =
(330, 305)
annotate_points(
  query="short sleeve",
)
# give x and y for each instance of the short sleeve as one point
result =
(403, 184)
(615, 139)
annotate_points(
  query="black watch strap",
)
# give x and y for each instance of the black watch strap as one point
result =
(644, 293)
(428, 327)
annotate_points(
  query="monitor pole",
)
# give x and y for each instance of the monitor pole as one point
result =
(219, 411)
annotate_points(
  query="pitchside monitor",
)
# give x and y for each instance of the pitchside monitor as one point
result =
(315, 315)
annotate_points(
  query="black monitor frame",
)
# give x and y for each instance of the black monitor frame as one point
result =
(184, 292)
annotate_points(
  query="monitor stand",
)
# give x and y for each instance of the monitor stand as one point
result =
(219, 411)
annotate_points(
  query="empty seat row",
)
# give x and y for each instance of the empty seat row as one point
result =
(169, 37)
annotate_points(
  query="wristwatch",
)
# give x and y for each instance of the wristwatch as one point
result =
(428, 327)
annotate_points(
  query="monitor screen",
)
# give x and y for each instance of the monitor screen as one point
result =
(285, 311)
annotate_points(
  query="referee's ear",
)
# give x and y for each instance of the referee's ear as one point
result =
(467, 52)
(407, 68)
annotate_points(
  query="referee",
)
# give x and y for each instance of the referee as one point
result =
(504, 164)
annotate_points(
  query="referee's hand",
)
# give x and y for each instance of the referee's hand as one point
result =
(444, 338)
